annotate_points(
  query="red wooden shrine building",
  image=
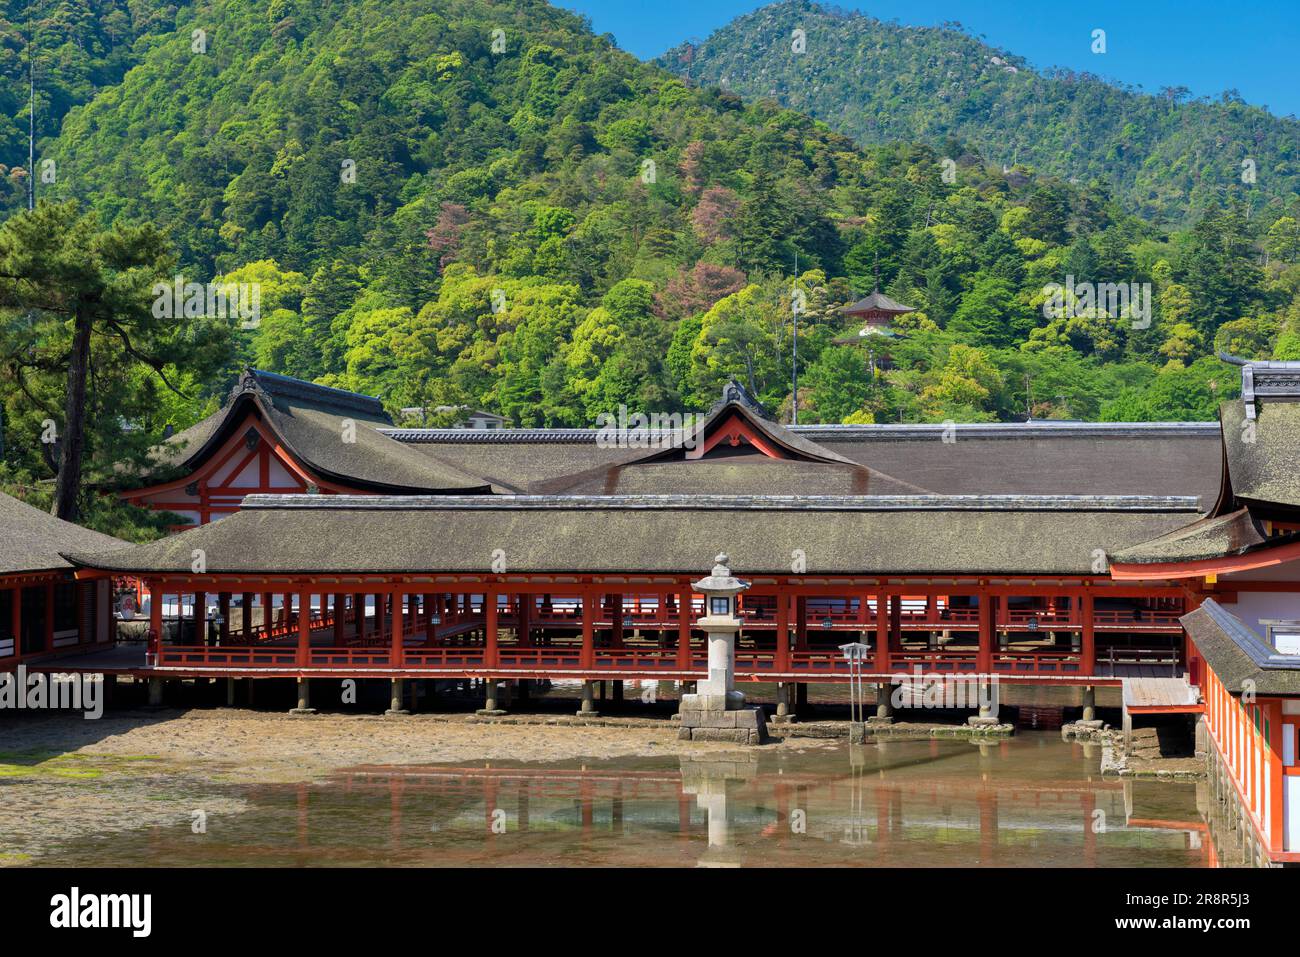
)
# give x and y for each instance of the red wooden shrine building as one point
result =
(346, 545)
(317, 540)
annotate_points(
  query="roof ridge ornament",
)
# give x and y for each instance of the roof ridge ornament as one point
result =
(1265, 379)
(734, 392)
(248, 383)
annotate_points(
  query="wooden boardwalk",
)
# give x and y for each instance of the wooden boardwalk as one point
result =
(1144, 695)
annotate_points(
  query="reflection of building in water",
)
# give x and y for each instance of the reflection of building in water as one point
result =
(928, 803)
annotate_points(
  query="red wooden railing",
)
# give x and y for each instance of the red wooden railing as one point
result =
(947, 660)
(228, 655)
(1037, 662)
(444, 657)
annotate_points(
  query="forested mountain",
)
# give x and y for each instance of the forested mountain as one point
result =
(450, 202)
(72, 49)
(1162, 154)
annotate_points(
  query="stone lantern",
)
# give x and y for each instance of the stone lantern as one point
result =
(717, 711)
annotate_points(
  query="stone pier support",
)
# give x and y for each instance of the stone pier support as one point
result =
(230, 692)
(988, 714)
(884, 704)
(618, 690)
(783, 709)
(588, 707)
(155, 692)
(490, 707)
(1089, 704)
(304, 698)
(395, 698)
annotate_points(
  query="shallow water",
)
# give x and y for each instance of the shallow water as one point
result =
(1031, 800)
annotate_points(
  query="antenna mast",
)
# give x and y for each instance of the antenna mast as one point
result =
(31, 116)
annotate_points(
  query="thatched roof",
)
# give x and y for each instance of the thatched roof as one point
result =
(1262, 456)
(1214, 537)
(657, 534)
(335, 434)
(1237, 655)
(31, 540)
(1041, 458)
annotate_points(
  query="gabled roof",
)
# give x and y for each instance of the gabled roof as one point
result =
(863, 535)
(1039, 458)
(1237, 655)
(739, 412)
(735, 449)
(31, 540)
(333, 433)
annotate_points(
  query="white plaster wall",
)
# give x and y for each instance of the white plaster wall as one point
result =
(1291, 814)
(1251, 606)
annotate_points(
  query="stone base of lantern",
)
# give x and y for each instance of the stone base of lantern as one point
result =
(721, 717)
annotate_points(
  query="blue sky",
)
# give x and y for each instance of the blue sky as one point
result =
(1205, 46)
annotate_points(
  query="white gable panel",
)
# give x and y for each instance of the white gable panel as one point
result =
(281, 477)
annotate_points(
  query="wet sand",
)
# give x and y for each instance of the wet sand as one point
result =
(250, 746)
(70, 778)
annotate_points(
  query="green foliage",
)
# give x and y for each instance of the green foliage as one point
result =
(555, 230)
(1165, 156)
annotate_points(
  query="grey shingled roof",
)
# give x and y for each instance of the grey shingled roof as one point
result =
(310, 419)
(656, 534)
(877, 302)
(31, 540)
(750, 475)
(1237, 655)
(1041, 458)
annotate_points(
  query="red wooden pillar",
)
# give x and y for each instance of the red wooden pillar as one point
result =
(984, 663)
(525, 620)
(426, 616)
(1088, 639)
(155, 623)
(882, 633)
(1275, 801)
(200, 618)
(223, 604)
(896, 621)
(268, 613)
(359, 616)
(684, 629)
(616, 620)
(246, 615)
(340, 617)
(783, 629)
(589, 607)
(398, 650)
(801, 624)
(304, 627)
(491, 652)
